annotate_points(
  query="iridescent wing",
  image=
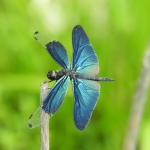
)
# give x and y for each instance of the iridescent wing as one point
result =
(58, 53)
(86, 93)
(55, 49)
(56, 95)
(84, 59)
(52, 101)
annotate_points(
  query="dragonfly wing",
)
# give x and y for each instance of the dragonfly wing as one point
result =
(54, 48)
(86, 94)
(58, 53)
(35, 118)
(52, 102)
(84, 59)
(56, 95)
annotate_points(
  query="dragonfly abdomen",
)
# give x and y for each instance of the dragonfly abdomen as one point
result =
(102, 79)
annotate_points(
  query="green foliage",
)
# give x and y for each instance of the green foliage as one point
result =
(119, 32)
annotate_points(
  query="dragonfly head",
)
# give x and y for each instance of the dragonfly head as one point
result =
(51, 75)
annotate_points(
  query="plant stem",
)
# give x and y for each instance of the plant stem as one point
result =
(138, 106)
(44, 118)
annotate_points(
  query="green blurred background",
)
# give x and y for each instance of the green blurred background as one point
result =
(119, 32)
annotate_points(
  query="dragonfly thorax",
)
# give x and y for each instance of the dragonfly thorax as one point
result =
(56, 75)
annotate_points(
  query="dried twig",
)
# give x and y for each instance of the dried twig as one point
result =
(44, 119)
(138, 104)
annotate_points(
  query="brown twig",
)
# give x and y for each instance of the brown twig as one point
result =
(139, 101)
(44, 119)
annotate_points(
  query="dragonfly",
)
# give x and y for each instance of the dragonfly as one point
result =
(83, 74)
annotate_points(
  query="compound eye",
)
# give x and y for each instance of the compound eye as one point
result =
(51, 75)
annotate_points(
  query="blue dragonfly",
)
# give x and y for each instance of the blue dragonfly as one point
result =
(83, 74)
